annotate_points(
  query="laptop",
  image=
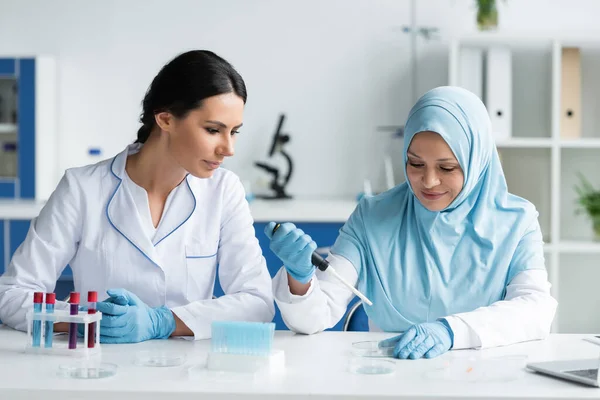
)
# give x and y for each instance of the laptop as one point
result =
(582, 371)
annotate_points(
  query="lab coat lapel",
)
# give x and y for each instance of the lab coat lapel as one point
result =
(121, 212)
(179, 211)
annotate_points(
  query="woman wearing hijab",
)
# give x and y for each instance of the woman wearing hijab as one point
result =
(449, 257)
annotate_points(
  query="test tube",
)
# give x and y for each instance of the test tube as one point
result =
(74, 301)
(49, 328)
(92, 299)
(38, 299)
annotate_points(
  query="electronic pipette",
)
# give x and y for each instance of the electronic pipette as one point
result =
(324, 265)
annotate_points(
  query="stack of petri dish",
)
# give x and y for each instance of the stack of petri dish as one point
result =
(370, 359)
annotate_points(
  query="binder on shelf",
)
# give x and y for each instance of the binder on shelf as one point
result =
(498, 91)
(570, 89)
(470, 70)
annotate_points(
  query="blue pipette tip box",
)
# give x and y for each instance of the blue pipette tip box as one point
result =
(240, 337)
(241, 346)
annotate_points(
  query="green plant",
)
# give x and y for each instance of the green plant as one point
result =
(589, 202)
(487, 14)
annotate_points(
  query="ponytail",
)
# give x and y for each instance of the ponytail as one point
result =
(143, 133)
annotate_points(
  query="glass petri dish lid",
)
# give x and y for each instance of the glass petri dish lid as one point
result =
(371, 349)
(158, 358)
(87, 370)
(371, 366)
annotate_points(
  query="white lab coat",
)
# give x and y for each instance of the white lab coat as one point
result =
(525, 314)
(92, 223)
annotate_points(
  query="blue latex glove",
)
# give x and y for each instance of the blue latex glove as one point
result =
(294, 248)
(126, 319)
(427, 340)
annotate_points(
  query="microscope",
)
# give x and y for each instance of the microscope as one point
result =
(279, 139)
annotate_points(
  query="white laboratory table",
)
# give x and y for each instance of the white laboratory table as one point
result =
(302, 210)
(19, 209)
(315, 369)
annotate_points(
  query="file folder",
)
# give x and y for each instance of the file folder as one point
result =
(498, 91)
(570, 89)
(470, 70)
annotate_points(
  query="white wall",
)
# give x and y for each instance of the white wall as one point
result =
(337, 68)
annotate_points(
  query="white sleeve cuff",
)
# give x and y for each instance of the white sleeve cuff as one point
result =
(281, 289)
(464, 336)
(201, 328)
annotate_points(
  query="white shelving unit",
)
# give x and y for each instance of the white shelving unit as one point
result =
(542, 167)
(533, 143)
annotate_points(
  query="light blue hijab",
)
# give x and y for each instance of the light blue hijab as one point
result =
(418, 265)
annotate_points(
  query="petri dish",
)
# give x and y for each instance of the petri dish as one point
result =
(87, 370)
(161, 358)
(371, 366)
(371, 349)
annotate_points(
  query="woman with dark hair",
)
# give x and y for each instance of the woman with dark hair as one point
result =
(149, 226)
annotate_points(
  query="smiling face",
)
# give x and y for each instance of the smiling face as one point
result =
(205, 136)
(433, 171)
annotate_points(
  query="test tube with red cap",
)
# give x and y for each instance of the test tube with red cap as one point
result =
(92, 299)
(49, 328)
(38, 299)
(74, 310)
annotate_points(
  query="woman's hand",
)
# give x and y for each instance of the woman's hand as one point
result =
(428, 340)
(127, 319)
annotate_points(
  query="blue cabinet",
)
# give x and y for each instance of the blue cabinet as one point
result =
(4, 244)
(17, 127)
(18, 232)
(12, 234)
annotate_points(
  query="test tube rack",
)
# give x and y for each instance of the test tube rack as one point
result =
(60, 347)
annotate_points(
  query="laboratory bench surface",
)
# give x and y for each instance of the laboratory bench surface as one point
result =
(316, 368)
